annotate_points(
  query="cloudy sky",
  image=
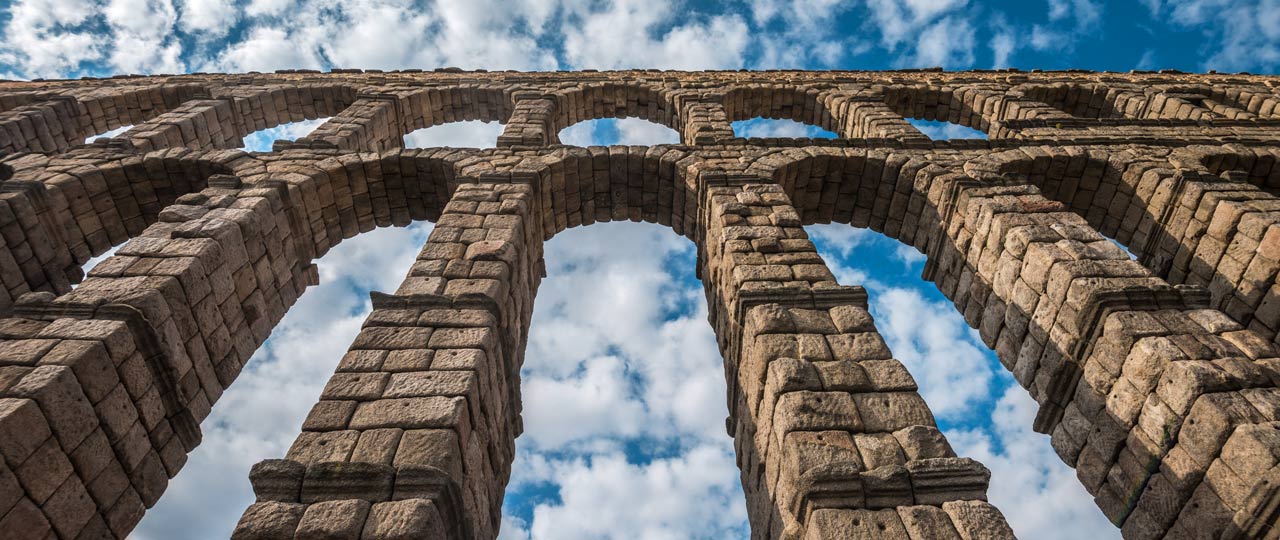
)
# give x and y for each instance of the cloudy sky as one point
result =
(623, 385)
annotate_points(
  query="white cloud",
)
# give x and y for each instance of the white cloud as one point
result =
(620, 352)
(899, 19)
(210, 18)
(267, 49)
(693, 496)
(606, 131)
(644, 132)
(937, 347)
(946, 43)
(108, 134)
(621, 36)
(46, 38)
(469, 134)
(942, 131)
(770, 127)
(1086, 13)
(1241, 34)
(142, 33)
(1002, 47)
(268, 7)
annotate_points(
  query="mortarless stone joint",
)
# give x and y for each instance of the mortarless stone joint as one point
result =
(1157, 375)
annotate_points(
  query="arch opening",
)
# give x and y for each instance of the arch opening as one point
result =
(622, 382)
(462, 134)
(945, 131)
(624, 131)
(263, 139)
(761, 127)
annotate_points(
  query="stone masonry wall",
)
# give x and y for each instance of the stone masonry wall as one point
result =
(1156, 370)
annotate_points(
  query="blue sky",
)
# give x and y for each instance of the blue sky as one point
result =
(623, 387)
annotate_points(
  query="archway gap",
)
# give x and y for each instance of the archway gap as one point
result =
(760, 127)
(623, 376)
(630, 131)
(945, 131)
(978, 405)
(460, 134)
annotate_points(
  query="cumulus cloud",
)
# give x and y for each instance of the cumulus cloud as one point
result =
(210, 18)
(608, 131)
(623, 386)
(470, 134)
(606, 497)
(268, 49)
(768, 127)
(621, 35)
(48, 38)
(1244, 34)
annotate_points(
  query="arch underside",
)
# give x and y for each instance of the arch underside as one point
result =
(1156, 377)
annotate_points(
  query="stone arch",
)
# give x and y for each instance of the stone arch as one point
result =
(975, 107)
(183, 306)
(65, 210)
(1256, 165)
(800, 104)
(1197, 216)
(223, 119)
(379, 120)
(48, 122)
(436, 106)
(1088, 100)
(581, 186)
(596, 101)
(1053, 298)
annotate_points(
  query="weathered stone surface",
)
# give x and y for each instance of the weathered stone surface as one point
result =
(1157, 378)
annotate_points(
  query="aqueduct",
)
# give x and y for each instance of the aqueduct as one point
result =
(1158, 378)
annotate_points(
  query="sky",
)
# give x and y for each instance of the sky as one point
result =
(623, 385)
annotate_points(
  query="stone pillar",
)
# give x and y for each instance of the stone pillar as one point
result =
(373, 123)
(702, 118)
(833, 440)
(532, 122)
(413, 436)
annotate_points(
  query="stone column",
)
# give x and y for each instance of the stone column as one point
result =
(373, 123)
(532, 122)
(413, 436)
(833, 440)
(702, 118)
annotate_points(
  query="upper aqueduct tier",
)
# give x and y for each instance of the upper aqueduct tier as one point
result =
(1158, 378)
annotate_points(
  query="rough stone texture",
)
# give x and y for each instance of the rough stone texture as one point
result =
(1157, 377)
